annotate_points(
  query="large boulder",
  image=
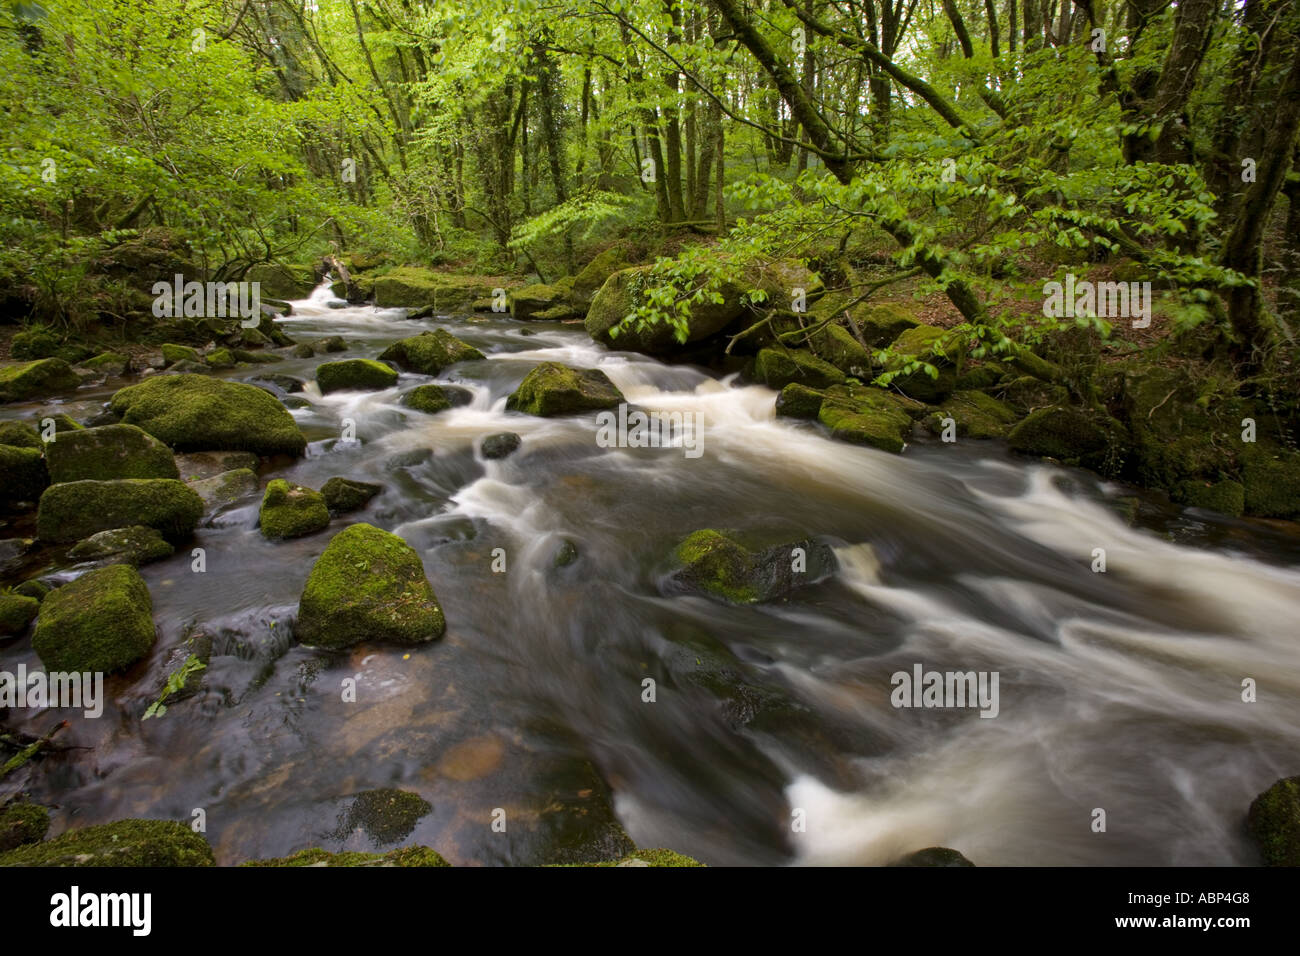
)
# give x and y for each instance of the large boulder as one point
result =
(145, 843)
(194, 413)
(1271, 479)
(541, 300)
(209, 464)
(1072, 436)
(20, 435)
(108, 452)
(777, 368)
(717, 564)
(1274, 822)
(78, 509)
(28, 380)
(226, 488)
(134, 546)
(22, 476)
(102, 621)
(594, 275)
(359, 374)
(974, 415)
(867, 416)
(413, 287)
(429, 352)
(936, 347)
(555, 389)
(368, 585)
(291, 511)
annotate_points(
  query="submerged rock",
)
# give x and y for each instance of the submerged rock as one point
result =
(555, 389)
(78, 509)
(16, 612)
(361, 374)
(28, 380)
(429, 352)
(102, 621)
(368, 585)
(108, 452)
(1274, 822)
(500, 445)
(386, 816)
(291, 511)
(134, 546)
(343, 494)
(123, 843)
(193, 413)
(719, 565)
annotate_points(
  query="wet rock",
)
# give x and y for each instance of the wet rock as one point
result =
(134, 546)
(500, 445)
(655, 857)
(12, 551)
(1071, 436)
(20, 435)
(226, 488)
(33, 588)
(102, 621)
(429, 352)
(78, 509)
(106, 453)
(430, 399)
(407, 856)
(541, 301)
(799, 401)
(361, 374)
(933, 856)
(16, 612)
(22, 476)
(161, 843)
(566, 554)
(22, 824)
(1226, 497)
(555, 389)
(173, 353)
(334, 343)
(27, 380)
(193, 413)
(386, 816)
(974, 415)
(866, 416)
(343, 494)
(368, 585)
(719, 565)
(188, 368)
(291, 511)
(197, 645)
(303, 351)
(776, 368)
(285, 383)
(209, 464)
(1274, 822)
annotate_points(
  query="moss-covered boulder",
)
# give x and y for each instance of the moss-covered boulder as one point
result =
(624, 292)
(22, 824)
(368, 585)
(936, 347)
(429, 399)
(171, 352)
(220, 358)
(866, 416)
(27, 380)
(653, 857)
(16, 612)
(717, 564)
(406, 856)
(555, 389)
(1175, 439)
(1271, 479)
(283, 280)
(413, 287)
(154, 843)
(291, 511)
(78, 509)
(359, 374)
(1227, 496)
(134, 546)
(61, 422)
(777, 368)
(429, 352)
(799, 401)
(108, 452)
(226, 488)
(22, 476)
(344, 494)
(102, 621)
(528, 302)
(974, 414)
(1274, 821)
(1072, 436)
(33, 588)
(109, 363)
(20, 435)
(594, 274)
(194, 413)
(835, 344)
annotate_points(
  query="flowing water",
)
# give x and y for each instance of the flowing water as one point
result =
(772, 737)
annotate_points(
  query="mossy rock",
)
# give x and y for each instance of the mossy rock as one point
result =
(188, 368)
(1072, 437)
(981, 377)
(254, 358)
(220, 358)
(62, 423)
(1226, 497)
(283, 281)
(555, 389)
(777, 368)
(209, 464)
(303, 350)
(22, 476)
(135, 546)
(1272, 484)
(359, 374)
(343, 494)
(20, 435)
(836, 345)
(368, 585)
(22, 824)
(37, 343)
(593, 275)
(975, 414)
(226, 488)
(866, 416)
(33, 588)
(172, 353)
(717, 564)
(1274, 822)
(106, 453)
(624, 292)
(413, 287)
(193, 413)
(799, 401)
(429, 399)
(527, 302)
(500, 445)
(933, 856)
(429, 352)
(16, 612)
(291, 511)
(406, 856)
(78, 509)
(102, 621)
(934, 346)
(133, 843)
(27, 380)
(386, 816)
(654, 857)
(1174, 437)
(109, 363)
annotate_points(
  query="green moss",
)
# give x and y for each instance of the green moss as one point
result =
(303, 350)
(429, 399)
(35, 343)
(33, 588)
(21, 824)
(16, 612)
(936, 347)
(123, 843)
(343, 495)
(254, 358)
(555, 389)
(78, 509)
(108, 452)
(413, 287)
(291, 511)
(22, 475)
(799, 401)
(429, 352)
(369, 585)
(20, 435)
(1071, 436)
(1227, 497)
(385, 816)
(358, 374)
(179, 353)
(836, 344)
(866, 416)
(715, 563)
(37, 379)
(194, 413)
(283, 281)
(220, 358)
(102, 621)
(527, 302)
(981, 377)
(134, 546)
(1272, 484)
(593, 275)
(777, 368)
(110, 363)
(1274, 821)
(62, 423)
(659, 857)
(406, 856)
(622, 294)
(975, 414)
